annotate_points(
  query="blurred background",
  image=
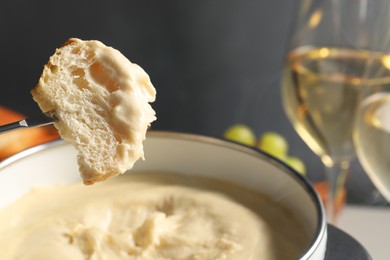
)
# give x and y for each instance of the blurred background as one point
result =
(214, 63)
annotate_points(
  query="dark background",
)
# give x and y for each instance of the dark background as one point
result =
(214, 63)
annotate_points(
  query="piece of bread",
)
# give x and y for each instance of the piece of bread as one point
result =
(101, 101)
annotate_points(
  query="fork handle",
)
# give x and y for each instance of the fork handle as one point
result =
(13, 126)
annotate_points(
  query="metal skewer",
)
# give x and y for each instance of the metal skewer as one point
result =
(33, 121)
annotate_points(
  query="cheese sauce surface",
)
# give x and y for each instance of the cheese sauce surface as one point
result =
(149, 216)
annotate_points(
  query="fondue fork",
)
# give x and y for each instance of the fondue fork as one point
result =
(33, 121)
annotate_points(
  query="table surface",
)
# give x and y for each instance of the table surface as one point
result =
(370, 226)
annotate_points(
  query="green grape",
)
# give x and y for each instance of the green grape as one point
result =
(273, 144)
(240, 133)
(296, 164)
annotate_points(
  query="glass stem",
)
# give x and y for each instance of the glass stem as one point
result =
(336, 174)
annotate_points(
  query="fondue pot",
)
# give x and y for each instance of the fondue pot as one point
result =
(55, 163)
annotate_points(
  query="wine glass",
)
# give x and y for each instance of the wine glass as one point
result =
(372, 121)
(324, 69)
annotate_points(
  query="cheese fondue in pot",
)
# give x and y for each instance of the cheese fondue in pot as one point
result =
(149, 216)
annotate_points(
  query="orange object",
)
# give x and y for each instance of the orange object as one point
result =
(18, 140)
(341, 195)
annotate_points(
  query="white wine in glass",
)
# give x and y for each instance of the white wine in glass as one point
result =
(332, 45)
(319, 92)
(372, 136)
